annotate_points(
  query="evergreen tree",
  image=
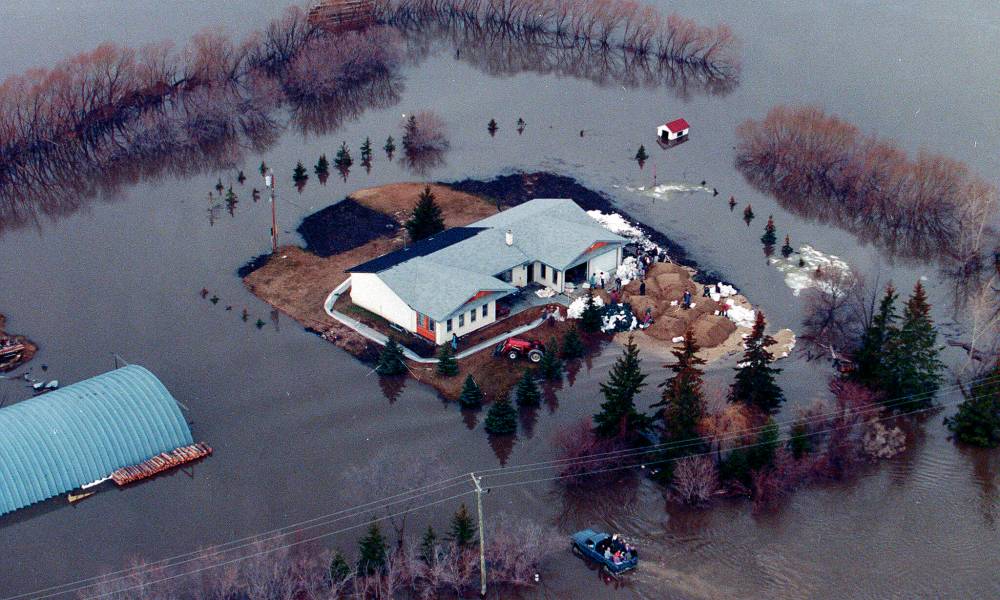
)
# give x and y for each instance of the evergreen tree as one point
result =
(520, 125)
(263, 168)
(339, 569)
(870, 359)
(240, 177)
(410, 130)
(748, 214)
(322, 165)
(492, 127)
(366, 151)
(799, 442)
(682, 404)
(787, 249)
(572, 345)
(471, 396)
(343, 159)
(426, 218)
(618, 416)
(447, 367)
(641, 155)
(299, 174)
(427, 544)
(463, 529)
(550, 366)
(977, 421)
(743, 462)
(770, 237)
(372, 551)
(526, 392)
(755, 385)
(389, 147)
(590, 318)
(390, 360)
(501, 418)
(913, 356)
(218, 186)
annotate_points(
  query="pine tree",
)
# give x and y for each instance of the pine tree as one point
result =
(787, 249)
(492, 127)
(526, 392)
(447, 367)
(914, 365)
(299, 175)
(322, 165)
(390, 360)
(770, 237)
(372, 551)
(550, 366)
(501, 418)
(410, 130)
(590, 318)
(389, 147)
(463, 529)
(218, 186)
(641, 155)
(343, 159)
(366, 151)
(755, 385)
(520, 125)
(799, 442)
(618, 416)
(977, 421)
(427, 545)
(240, 177)
(748, 214)
(870, 359)
(339, 569)
(426, 218)
(263, 168)
(471, 396)
(682, 404)
(572, 346)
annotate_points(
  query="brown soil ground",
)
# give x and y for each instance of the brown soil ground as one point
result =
(9, 363)
(398, 199)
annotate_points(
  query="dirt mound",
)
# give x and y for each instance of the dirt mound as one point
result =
(711, 330)
(344, 226)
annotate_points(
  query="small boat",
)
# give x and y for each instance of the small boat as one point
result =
(74, 498)
(597, 546)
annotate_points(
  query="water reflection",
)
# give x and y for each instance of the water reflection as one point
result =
(502, 446)
(392, 387)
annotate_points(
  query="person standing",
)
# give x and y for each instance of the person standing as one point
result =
(642, 287)
(454, 342)
(602, 280)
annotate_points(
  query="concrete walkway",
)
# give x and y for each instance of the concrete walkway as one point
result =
(381, 338)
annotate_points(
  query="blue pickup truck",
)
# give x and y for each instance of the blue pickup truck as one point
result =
(600, 548)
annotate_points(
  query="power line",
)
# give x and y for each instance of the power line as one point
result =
(425, 490)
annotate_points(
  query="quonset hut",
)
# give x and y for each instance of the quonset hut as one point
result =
(82, 433)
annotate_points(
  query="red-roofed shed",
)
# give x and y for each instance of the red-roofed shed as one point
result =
(673, 130)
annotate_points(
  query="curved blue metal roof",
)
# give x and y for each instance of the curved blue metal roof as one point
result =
(81, 433)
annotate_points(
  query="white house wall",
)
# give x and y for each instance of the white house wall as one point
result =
(549, 280)
(441, 328)
(519, 276)
(369, 292)
(607, 262)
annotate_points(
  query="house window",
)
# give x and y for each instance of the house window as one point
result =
(461, 320)
(449, 324)
(430, 323)
(472, 315)
(486, 310)
(420, 320)
(543, 271)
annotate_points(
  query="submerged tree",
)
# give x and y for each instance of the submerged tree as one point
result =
(427, 546)
(390, 360)
(501, 418)
(463, 528)
(372, 551)
(492, 127)
(682, 404)
(389, 147)
(471, 396)
(526, 391)
(426, 218)
(520, 126)
(755, 385)
(748, 214)
(770, 237)
(914, 363)
(977, 421)
(550, 366)
(641, 156)
(343, 159)
(572, 345)
(322, 166)
(339, 569)
(618, 417)
(299, 174)
(871, 367)
(786, 249)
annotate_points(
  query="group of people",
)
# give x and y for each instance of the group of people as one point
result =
(618, 550)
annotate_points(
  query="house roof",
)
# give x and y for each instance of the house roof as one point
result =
(438, 276)
(83, 432)
(677, 125)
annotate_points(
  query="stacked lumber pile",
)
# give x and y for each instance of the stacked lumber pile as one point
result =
(341, 15)
(161, 462)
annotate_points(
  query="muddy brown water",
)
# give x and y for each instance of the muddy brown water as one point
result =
(288, 414)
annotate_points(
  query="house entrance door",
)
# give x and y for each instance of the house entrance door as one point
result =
(531, 273)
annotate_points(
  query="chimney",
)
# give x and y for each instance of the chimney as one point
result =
(509, 238)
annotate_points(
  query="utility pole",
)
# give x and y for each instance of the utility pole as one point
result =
(482, 548)
(269, 182)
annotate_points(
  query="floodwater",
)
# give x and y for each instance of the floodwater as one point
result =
(293, 419)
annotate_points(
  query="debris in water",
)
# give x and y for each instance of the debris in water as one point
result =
(259, 324)
(52, 384)
(204, 293)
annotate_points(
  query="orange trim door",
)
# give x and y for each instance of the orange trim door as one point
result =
(425, 327)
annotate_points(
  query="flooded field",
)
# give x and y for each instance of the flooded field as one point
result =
(295, 422)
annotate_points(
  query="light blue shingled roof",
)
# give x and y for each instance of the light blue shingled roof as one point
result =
(437, 290)
(81, 433)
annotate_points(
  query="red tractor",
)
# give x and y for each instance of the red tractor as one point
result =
(515, 348)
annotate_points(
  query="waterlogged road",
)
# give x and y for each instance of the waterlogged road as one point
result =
(289, 415)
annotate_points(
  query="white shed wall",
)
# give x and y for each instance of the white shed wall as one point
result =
(370, 292)
(607, 262)
(441, 328)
